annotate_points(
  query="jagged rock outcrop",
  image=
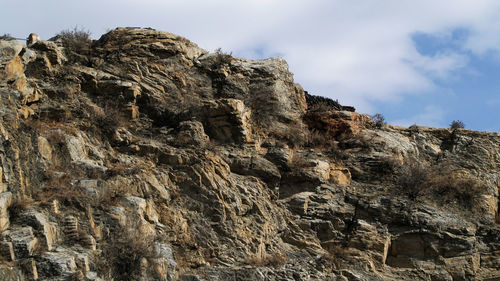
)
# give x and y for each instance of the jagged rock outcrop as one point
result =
(144, 157)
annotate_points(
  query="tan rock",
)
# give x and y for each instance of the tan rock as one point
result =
(40, 222)
(23, 240)
(228, 120)
(45, 149)
(5, 201)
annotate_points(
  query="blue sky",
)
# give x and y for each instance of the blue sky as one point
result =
(420, 62)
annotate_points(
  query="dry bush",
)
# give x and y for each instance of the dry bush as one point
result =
(272, 260)
(457, 124)
(320, 139)
(221, 59)
(419, 180)
(123, 253)
(320, 107)
(58, 186)
(18, 205)
(413, 178)
(450, 187)
(109, 196)
(109, 121)
(297, 162)
(122, 169)
(334, 253)
(56, 137)
(75, 40)
(379, 120)
(294, 137)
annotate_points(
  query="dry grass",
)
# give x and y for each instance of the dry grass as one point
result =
(455, 189)
(122, 169)
(18, 205)
(75, 40)
(124, 252)
(320, 139)
(436, 183)
(59, 186)
(413, 178)
(269, 260)
(334, 253)
(297, 162)
(221, 59)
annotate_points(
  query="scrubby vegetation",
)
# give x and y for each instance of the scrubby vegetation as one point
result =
(76, 40)
(457, 124)
(379, 120)
(7, 37)
(438, 183)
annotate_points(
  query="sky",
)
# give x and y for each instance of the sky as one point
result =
(416, 62)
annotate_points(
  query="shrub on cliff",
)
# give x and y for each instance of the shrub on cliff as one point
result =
(457, 124)
(221, 59)
(412, 178)
(379, 120)
(7, 37)
(123, 255)
(75, 40)
(439, 184)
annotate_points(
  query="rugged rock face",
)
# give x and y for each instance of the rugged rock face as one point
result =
(148, 158)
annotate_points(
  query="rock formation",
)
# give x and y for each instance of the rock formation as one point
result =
(145, 157)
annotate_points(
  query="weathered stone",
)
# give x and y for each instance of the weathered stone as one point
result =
(45, 149)
(56, 264)
(192, 133)
(5, 201)
(256, 166)
(9, 49)
(9, 273)
(29, 267)
(32, 39)
(227, 120)
(41, 224)
(7, 251)
(23, 240)
(250, 197)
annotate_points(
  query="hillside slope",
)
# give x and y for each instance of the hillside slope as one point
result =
(144, 157)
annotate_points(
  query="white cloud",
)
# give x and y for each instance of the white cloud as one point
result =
(357, 51)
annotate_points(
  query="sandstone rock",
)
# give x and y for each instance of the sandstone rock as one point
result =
(374, 241)
(9, 273)
(45, 149)
(32, 39)
(23, 240)
(191, 133)
(5, 201)
(7, 251)
(41, 224)
(29, 267)
(227, 120)
(256, 166)
(56, 264)
(70, 228)
(141, 207)
(247, 185)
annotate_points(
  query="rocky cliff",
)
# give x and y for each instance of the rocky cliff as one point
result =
(143, 157)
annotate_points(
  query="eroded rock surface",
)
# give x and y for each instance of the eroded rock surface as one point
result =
(148, 158)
